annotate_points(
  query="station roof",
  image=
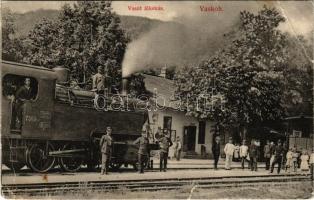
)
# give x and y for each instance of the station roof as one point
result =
(164, 88)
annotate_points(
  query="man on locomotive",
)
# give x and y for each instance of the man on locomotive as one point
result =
(101, 81)
(142, 151)
(164, 143)
(23, 94)
(105, 146)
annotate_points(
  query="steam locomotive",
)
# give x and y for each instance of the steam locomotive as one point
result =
(60, 126)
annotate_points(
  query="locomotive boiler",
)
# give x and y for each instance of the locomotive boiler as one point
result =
(59, 125)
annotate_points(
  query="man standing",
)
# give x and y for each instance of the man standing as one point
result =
(99, 81)
(278, 157)
(216, 151)
(253, 155)
(243, 153)
(142, 151)
(23, 94)
(229, 149)
(285, 151)
(164, 143)
(178, 149)
(267, 154)
(272, 153)
(105, 146)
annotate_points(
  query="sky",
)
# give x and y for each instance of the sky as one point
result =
(299, 14)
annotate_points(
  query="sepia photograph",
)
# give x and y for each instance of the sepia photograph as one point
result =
(157, 99)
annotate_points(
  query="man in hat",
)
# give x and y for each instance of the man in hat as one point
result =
(23, 94)
(105, 146)
(278, 157)
(244, 150)
(142, 151)
(267, 154)
(229, 149)
(216, 151)
(164, 143)
(99, 81)
(253, 152)
(178, 148)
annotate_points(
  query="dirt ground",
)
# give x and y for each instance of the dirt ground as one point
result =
(289, 191)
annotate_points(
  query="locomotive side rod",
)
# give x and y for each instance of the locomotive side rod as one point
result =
(52, 153)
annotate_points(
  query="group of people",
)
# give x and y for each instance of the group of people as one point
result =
(273, 154)
(143, 150)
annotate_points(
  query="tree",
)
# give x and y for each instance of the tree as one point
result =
(247, 75)
(85, 36)
(11, 47)
(298, 94)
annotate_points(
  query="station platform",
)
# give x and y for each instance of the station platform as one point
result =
(189, 168)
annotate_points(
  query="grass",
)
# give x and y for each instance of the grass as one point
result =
(288, 191)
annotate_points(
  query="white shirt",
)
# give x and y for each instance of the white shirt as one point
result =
(229, 149)
(179, 145)
(243, 150)
(312, 158)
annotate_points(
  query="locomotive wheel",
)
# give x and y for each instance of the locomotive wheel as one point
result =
(26, 157)
(37, 158)
(115, 166)
(70, 163)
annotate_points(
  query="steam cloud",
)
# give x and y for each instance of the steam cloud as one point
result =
(171, 44)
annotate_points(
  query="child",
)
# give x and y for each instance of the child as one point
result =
(295, 156)
(289, 163)
(304, 161)
(312, 164)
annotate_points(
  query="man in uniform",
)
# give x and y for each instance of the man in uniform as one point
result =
(23, 94)
(105, 146)
(216, 151)
(253, 153)
(164, 143)
(278, 157)
(142, 151)
(267, 154)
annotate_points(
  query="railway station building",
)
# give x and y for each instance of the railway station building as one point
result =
(196, 136)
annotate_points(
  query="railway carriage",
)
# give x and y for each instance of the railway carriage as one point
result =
(59, 125)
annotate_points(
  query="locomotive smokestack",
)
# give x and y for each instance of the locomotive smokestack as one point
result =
(62, 74)
(125, 81)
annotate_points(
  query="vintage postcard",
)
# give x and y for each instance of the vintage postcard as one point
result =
(157, 99)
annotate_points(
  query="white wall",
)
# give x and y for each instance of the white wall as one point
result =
(179, 120)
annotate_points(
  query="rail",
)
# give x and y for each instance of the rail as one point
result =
(150, 185)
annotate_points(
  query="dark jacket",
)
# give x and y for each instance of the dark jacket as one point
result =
(272, 149)
(23, 94)
(253, 151)
(279, 151)
(143, 145)
(105, 144)
(216, 149)
(164, 144)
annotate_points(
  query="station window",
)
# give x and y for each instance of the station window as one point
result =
(19, 87)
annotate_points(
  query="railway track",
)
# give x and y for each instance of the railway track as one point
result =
(150, 185)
